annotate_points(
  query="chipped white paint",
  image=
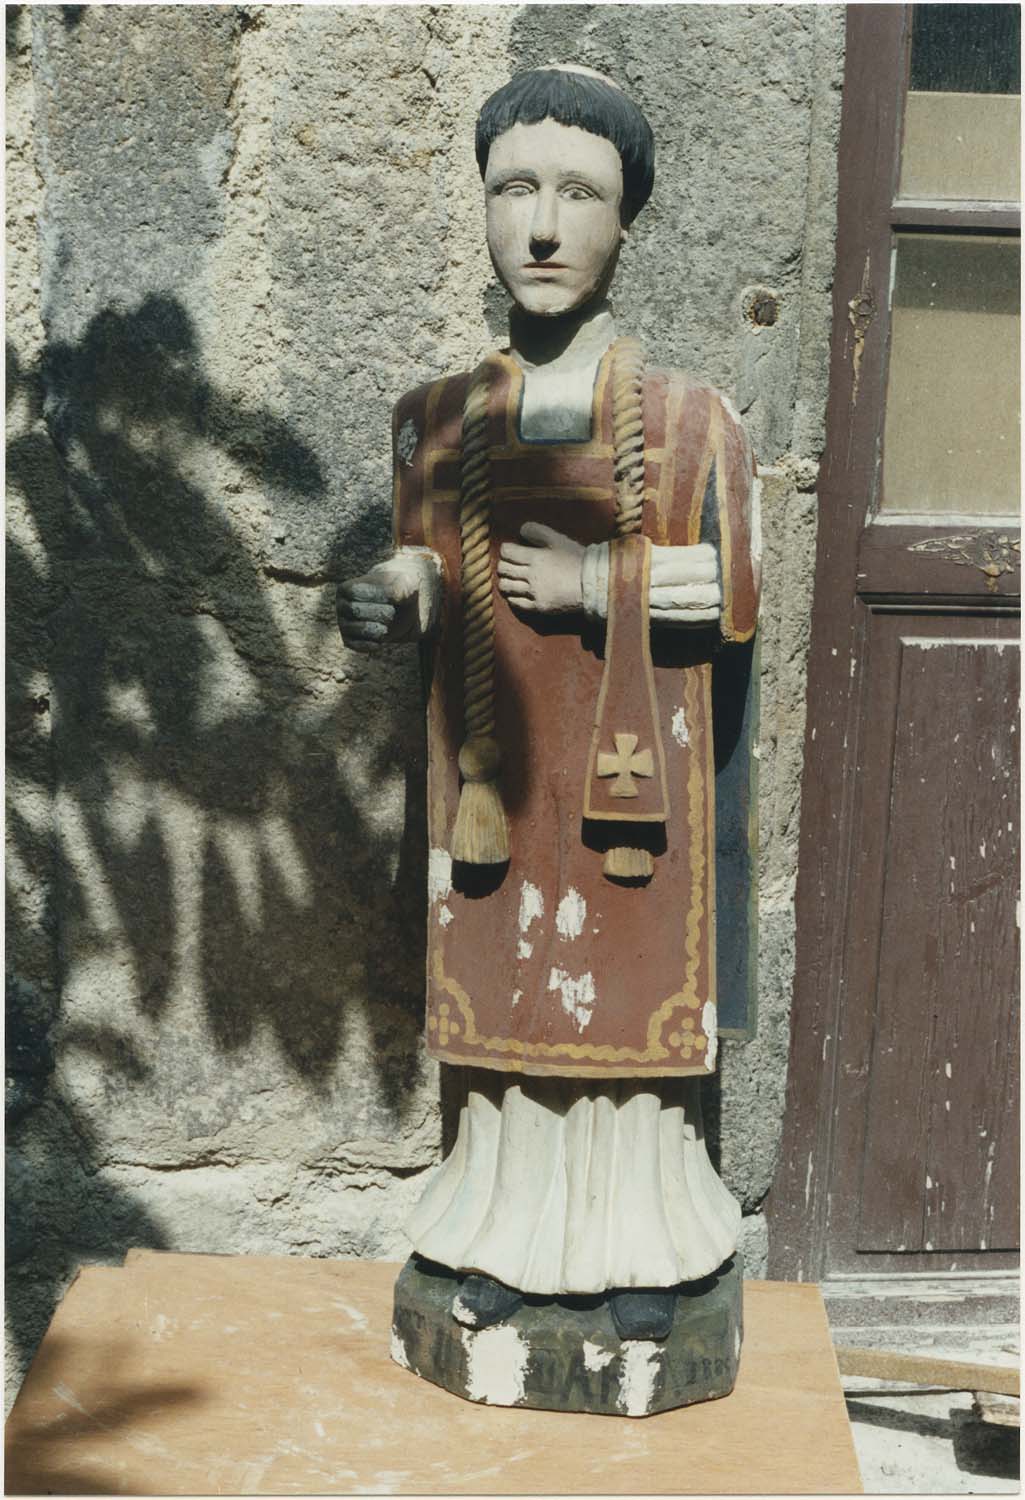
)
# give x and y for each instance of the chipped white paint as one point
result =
(571, 915)
(524, 949)
(463, 1313)
(807, 1180)
(736, 1344)
(681, 734)
(642, 1360)
(496, 1363)
(532, 905)
(577, 996)
(446, 915)
(947, 1069)
(982, 849)
(517, 996)
(825, 1043)
(928, 1180)
(595, 1357)
(398, 1351)
(439, 875)
(710, 1026)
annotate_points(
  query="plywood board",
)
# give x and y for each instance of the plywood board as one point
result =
(192, 1374)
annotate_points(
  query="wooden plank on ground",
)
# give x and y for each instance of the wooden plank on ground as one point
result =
(1001, 1411)
(194, 1374)
(924, 1369)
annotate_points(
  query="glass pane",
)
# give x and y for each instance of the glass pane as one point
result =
(951, 439)
(962, 125)
(962, 146)
(966, 49)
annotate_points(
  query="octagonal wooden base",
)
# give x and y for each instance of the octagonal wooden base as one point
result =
(564, 1353)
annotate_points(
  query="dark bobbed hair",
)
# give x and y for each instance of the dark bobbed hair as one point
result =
(575, 99)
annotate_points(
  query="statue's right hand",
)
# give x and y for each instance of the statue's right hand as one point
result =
(382, 605)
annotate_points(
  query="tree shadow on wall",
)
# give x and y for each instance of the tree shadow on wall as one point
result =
(210, 845)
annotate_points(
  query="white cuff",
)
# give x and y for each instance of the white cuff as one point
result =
(428, 565)
(594, 581)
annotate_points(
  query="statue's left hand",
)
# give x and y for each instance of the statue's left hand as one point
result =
(544, 575)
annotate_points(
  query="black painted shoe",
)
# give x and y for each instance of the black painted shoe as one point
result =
(644, 1312)
(481, 1301)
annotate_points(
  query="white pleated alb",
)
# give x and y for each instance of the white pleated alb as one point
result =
(562, 1186)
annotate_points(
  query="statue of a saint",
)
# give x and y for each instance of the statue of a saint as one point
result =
(574, 542)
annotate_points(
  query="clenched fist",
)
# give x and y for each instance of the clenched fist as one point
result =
(395, 601)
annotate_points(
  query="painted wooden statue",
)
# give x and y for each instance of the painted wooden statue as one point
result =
(574, 541)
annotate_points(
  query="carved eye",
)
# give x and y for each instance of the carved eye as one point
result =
(577, 193)
(517, 189)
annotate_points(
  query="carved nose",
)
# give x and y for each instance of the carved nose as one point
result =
(541, 248)
(544, 228)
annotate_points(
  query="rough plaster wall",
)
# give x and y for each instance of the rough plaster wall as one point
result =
(242, 232)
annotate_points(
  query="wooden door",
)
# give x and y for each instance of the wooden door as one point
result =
(900, 1156)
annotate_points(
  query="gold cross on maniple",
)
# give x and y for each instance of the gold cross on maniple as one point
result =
(625, 765)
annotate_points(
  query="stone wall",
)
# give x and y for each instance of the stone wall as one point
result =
(236, 235)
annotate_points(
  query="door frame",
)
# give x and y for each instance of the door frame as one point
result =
(868, 211)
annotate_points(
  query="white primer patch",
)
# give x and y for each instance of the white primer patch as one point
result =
(642, 1360)
(517, 996)
(524, 949)
(439, 875)
(532, 905)
(496, 1363)
(681, 734)
(576, 995)
(710, 1026)
(446, 915)
(571, 915)
(398, 1351)
(595, 1357)
(463, 1314)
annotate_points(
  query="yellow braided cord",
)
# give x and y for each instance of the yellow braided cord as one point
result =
(480, 835)
(622, 862)
(628, 434)
(475, 534)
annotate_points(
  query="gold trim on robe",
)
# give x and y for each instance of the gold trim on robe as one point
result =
(545, 965)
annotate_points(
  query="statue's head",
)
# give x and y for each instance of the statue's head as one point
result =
(567, 161)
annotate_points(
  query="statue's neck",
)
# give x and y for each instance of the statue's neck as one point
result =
(571, 343)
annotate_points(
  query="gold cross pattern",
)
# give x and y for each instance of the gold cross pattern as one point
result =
(625, 765)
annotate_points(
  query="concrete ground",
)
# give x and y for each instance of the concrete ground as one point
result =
(915, 1441)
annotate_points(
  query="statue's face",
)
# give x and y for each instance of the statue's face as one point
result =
(553, 196)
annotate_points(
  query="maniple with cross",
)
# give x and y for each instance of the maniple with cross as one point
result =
(574, 545)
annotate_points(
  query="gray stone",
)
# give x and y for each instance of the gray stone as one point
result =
(564, 1353)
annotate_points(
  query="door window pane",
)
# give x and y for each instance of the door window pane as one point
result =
(962, 124)
(951, 441)
(966, 49)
